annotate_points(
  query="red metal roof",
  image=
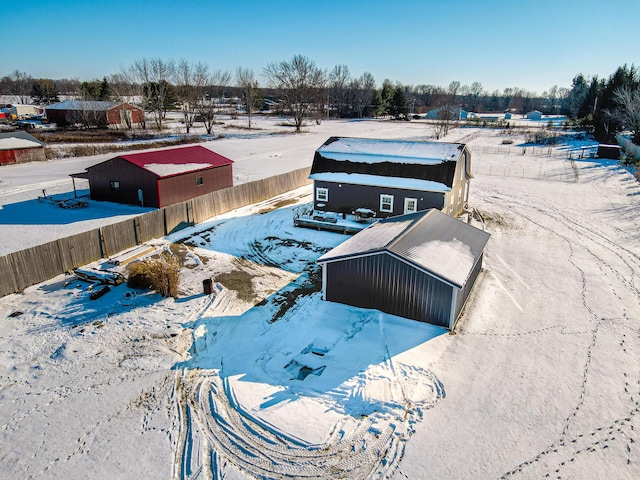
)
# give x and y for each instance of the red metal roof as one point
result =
(176, 161)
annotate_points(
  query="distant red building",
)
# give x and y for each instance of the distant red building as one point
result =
(159, 178)
(92, 113)
(17, 147)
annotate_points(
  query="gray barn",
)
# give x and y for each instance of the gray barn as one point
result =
(390, 177)
(420, 266)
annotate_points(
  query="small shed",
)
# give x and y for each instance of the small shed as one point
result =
(420, 266)
(18, 147)
(534, 115)
(612, 152)
(94, 113)
(159, 178)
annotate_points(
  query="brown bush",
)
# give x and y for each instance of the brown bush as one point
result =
(161, 274)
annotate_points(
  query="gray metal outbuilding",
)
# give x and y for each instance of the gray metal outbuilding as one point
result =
(420, 266)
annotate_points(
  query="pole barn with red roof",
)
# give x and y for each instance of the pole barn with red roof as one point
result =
(159, 178)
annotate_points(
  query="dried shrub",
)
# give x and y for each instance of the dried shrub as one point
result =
(161, 274)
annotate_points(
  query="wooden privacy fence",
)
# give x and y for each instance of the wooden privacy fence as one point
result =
(33, 265)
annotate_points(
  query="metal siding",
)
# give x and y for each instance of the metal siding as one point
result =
(183, 187)
(131, 179)
(463, 294)
(7, 156)
(347, 197)
(384, 283)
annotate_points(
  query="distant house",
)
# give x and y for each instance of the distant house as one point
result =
(159, 178)
(420, 266)
(18, 147)
(534, 115)
(92, 113)
(447, 112)
(390, 177)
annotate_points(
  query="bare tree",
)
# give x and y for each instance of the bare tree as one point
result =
(206, 104)
(448, 111)
(190, 80)
(21, 84)
(153, 75)
(300, 83)
(366, 85)
(246, 81)
(125, 89)
(339, 80)
(475, 90)
(628, 110)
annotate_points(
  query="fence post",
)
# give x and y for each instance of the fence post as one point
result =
(103, 243)
(136, 230)
(164, 219)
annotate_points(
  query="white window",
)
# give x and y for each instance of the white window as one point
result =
(322, 194)
(410, 205)
(199, 181)
(114, 185)
(386, 203)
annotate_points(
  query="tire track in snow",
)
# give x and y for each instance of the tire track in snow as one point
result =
(370, 449)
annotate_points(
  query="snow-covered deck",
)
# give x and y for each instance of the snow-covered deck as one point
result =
(306, 216)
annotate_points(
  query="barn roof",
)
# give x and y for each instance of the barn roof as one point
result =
(92, 105)
(176, 161)
(430, 240)
(424, 161)
(17, 140)
(370, 150)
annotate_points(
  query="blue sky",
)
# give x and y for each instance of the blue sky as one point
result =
(499, 43)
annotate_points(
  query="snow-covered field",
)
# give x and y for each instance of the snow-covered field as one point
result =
(264, 379)
(267, 150)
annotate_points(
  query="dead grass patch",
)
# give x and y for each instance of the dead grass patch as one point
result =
(160, 274)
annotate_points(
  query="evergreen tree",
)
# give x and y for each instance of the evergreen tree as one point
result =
(386, 96)
(377, 103)
(605, 123)
(590, 101)
(398, 107)
(577, 95)
(104, 92)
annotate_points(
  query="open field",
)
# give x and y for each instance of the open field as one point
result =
(263, 379)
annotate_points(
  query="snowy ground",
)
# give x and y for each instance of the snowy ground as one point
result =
(267, 150)
(263, 379)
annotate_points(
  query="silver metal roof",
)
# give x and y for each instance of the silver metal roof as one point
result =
(93, 105)
(369, 150)
(430, 240)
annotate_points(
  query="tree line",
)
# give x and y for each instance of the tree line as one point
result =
(300, 88)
